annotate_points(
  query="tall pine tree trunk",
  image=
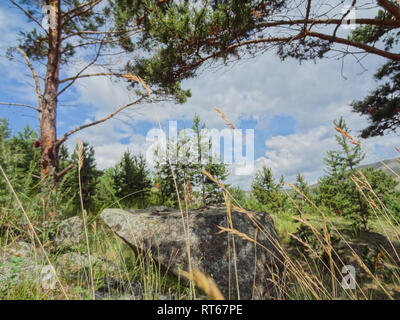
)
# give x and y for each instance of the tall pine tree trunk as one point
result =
(48, 126)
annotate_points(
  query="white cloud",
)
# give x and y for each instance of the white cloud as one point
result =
(258, 89)
(302, 152)
(105, 138)
(17, 81)
(313, 94)
(3, 19)
(8, 20)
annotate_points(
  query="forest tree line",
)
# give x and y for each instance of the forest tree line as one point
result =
(131, 184)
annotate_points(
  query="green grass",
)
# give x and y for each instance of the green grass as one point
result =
(367, 246)
(306, 276)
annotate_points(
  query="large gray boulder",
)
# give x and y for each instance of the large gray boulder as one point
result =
(161, 232)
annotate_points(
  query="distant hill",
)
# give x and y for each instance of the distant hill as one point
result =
(390, 166)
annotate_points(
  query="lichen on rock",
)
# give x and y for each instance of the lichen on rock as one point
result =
(161, 233)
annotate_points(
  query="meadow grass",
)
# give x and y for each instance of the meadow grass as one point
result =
(312, 264)
(307, 275)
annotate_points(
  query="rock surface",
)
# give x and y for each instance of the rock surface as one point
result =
(19, 261)
(114, 289)
(161, 232)
(69, 233)
(73, 262)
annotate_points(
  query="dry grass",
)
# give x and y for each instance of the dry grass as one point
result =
(302, 279)
(32, 232)
(84, 214)
(138, 79)
(205, 283)
(184, 217)
(347, 135)
(223, 116)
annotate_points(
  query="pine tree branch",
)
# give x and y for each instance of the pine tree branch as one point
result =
(89, 44)
(344, 17)
(361, 21)
(245, 43)
(35, 77)
(129, 33)
(29, 15)
(307, 15)
(390, 7)
(79, 7)
(365, 47)
(60, 174)
(19, 105)
(120, 75)
(91, 75)
(80, 10)
(81, 71)
(69, 133)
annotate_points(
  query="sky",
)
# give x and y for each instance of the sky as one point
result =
(290, 106)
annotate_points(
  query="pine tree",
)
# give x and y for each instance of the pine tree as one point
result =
(189, 155)
(132, 180)
(5, 157)
(200, 147)
(4, 129)
(89, 178)
(349, 156)
(214, 193)
(171, 175)
(302, 186)
(202, 159)
(336, 190)
(213, 32)
(105, 195)
(267, 191)
(86, 34)
(238, 194)
(167, 174)
(24, 166)
(382, 104)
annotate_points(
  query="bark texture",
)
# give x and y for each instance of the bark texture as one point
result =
(48, 117)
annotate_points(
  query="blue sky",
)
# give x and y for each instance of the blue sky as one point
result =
(290, 106)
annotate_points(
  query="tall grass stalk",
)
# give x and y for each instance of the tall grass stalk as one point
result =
(33, 231)
(185, 224)
(84, 214)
